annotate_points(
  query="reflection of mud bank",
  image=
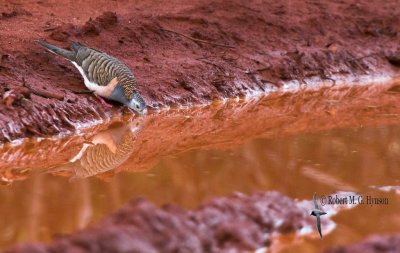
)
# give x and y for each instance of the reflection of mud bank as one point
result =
(216, 226)
(295, 166)
(219, 125)
(183, 54)
(373, 244)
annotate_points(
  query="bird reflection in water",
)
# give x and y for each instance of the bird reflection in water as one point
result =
(104, 152)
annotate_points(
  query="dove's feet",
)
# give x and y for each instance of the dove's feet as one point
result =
(104, 102)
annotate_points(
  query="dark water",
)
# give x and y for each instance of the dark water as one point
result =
(59, 199)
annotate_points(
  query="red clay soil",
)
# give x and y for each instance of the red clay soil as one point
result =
(216, 226)
(182, 52)
(373, 244)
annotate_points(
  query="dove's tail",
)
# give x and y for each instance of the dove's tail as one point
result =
(70, 55)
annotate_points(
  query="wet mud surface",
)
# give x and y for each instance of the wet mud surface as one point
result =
(216, 226)
(183, 53)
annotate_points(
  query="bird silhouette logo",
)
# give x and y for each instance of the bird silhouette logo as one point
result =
(317, 213)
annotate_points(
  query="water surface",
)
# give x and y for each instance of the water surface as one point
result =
(49, 194)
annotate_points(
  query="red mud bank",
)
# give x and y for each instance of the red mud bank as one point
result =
(216, 126)
(216, 226)
(183, 53)
(373, 244)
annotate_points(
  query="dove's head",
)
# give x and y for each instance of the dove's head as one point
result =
(137, 103)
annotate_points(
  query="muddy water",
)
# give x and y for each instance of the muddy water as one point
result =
(53, 187)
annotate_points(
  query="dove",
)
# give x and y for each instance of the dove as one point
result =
(103, 74)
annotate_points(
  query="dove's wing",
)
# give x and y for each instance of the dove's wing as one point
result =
(315, 200)
(319, 226)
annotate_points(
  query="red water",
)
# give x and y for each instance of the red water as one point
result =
(49, 190)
